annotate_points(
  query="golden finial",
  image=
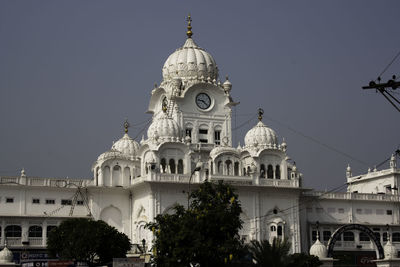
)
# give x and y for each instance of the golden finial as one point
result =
(126, 125)
(189, 32)
(260, 114)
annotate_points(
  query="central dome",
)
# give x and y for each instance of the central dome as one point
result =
(190, 62)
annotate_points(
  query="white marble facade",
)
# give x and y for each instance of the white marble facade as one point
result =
(191, 127)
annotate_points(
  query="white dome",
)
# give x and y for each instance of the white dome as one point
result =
(110, 154)
(164, 129)
(318, 249)
(6, 256)
(126, 145)
(190, 61)
(390, 250)
(261, 135)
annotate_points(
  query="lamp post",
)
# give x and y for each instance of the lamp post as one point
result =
(198, 168)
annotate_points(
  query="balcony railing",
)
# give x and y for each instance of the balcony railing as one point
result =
(39, 181)
(35, 241)
(14, 241)
(235, 180)
(353, 196)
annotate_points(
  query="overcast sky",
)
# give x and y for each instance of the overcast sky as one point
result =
(72, 71)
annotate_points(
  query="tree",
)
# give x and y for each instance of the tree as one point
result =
(87, 240)
(205, 233)
(303, 260)
(271, 255)
(277, 255)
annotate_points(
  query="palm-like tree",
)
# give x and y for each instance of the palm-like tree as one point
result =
(271, 255)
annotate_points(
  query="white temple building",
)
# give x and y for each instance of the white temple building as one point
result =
(191, 135)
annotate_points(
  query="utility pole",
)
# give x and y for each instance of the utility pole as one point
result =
(383, 89)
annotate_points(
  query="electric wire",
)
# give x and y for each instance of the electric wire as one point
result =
(287, 211)
(329, 147)
(390, 63)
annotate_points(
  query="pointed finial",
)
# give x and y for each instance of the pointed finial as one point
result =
(189, 32)
(260, 114)
(126, 125)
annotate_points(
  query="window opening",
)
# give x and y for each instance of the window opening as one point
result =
(270, 172)
(35, 231)
(278, 172)
(217, 137)
(172, 166)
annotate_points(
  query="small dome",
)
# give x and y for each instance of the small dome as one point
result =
(190, 61)
(318, 249)
(6, 256)
(164, 129)
(126, 145)
(110, 154)
(218, 150)
(261, 135)
(390, 250)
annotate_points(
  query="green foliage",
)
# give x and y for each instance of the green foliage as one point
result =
(271, 255)
(303, 260)
(277, 255)
(88, 241)
(206, 233)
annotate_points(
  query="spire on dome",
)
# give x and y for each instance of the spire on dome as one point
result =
(189, 32)
(260, 114)
(126, 125)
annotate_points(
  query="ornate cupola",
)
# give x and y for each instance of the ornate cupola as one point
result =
(164, 129)
(190, 63)
(261, 136)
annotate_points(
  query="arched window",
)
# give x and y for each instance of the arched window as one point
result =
(163, 165)
(364, 237)
(236, 169)
(35, 231)
(262, 171)
(248, 170)
(116, 175)
(278, 172)
(270, 172)
(280, 231)
(396, 237)
(172, 166)
(273, 228)
(219, 166)
(348, 236)
(228, 164)
(244, 172)
(180, 166)
(13, 231)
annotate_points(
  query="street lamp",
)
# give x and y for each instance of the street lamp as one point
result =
(198, 168)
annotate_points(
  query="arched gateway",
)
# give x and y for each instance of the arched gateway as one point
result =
(359, 227)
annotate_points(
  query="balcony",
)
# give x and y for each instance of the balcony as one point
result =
(353, 196)
(14, 241)
(35, 241)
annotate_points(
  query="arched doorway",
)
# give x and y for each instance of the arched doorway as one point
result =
(359, 227)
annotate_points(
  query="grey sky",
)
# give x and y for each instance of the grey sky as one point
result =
(71, 71)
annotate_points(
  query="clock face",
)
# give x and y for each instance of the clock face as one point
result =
(203, 101)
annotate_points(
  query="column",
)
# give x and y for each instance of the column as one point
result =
(44, 236)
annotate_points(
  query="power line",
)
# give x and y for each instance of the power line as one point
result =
(390, 63)
(319, 142)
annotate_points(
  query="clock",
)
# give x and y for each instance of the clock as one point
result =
(203, 101)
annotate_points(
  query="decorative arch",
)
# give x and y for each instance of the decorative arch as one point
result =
(359, 227)
(112, 216)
